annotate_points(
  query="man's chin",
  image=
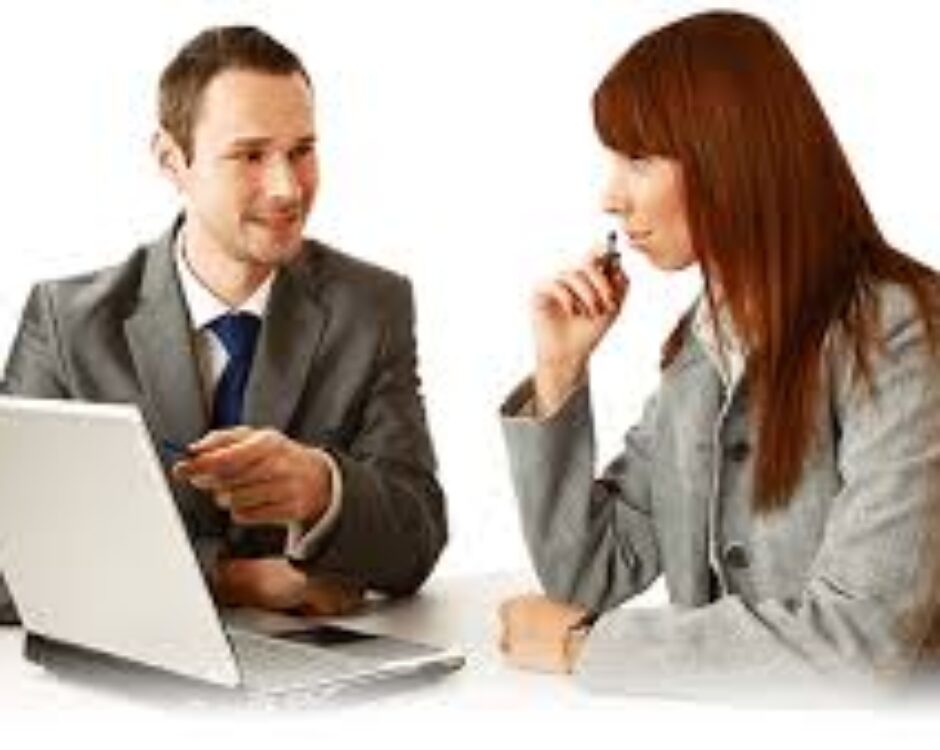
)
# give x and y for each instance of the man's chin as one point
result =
(275, 254)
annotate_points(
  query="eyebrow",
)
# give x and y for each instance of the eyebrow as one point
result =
(248, 143)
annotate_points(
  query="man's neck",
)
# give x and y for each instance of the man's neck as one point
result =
(232, 281)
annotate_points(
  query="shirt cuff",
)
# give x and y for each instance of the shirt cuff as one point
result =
(302, 542)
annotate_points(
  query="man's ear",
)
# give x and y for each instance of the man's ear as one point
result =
(170, 158)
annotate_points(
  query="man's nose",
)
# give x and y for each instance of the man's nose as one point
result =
(280, 181)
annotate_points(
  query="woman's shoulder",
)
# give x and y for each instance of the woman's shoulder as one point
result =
(891, 333)
(896, 306)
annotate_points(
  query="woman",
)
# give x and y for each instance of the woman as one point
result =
(785, 477)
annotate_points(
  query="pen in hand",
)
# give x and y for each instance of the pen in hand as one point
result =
(174, 451)
(175, 454)
(610, 260)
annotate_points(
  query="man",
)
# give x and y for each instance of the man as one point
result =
(284, 369)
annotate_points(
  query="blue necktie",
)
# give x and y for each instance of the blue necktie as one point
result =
(238, 333)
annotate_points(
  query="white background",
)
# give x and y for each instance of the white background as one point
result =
(457, 147)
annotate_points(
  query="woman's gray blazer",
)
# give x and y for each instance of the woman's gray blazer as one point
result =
(839, 583)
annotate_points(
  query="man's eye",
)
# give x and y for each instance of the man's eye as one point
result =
(250, 157)
(300, 152)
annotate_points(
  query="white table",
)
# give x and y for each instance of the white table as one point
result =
(485, 699)
(459, 612)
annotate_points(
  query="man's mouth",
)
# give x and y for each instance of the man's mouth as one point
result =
(277, 222)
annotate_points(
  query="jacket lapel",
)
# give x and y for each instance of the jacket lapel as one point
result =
(291, 334)
(696, 396)
(160, 342)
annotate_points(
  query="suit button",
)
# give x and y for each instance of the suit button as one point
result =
(738, 451)
(736, 556)
(714, 585)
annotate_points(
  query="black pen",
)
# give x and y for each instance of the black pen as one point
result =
(174, 451)
(610, 260)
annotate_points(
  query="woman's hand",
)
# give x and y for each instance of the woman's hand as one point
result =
(536, 633)
(570, 315)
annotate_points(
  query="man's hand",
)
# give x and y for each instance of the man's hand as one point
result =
(260, 475)
(266, 583)
(330, 596)
(536, 633)
(273, 583)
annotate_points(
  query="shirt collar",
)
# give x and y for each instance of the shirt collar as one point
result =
(203, 305)
(719, 341)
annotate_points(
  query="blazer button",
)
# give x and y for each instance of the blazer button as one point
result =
(736, 556)
(738, 451)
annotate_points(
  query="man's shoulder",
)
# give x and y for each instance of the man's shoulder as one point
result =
(116, 285)
(328, 259)
(113, 290)
(333, 271)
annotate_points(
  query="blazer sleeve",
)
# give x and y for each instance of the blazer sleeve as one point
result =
(869, 607)
(592, 540)
(393, 524)
(32, 369)
(8, 613)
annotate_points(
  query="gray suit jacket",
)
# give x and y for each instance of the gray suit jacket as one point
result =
(335, 367)
(843, 582)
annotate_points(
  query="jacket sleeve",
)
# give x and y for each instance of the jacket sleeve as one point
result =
(869, 605)
(592, 540)
(32, 369)
(393, 524)
(8, 613)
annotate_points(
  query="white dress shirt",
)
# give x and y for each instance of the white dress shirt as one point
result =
(211, 359)
(720, 342)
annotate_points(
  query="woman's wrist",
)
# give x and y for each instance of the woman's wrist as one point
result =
(574, 639)
(553, 383)
(571, 648)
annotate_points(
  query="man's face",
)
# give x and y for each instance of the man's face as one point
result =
(252, 176)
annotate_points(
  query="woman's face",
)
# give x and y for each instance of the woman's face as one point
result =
(648, 195)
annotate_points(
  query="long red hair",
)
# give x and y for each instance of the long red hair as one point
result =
(777, 219)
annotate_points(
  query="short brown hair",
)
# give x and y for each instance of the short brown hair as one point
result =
(211, 52)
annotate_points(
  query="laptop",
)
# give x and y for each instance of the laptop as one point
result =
(99, 564)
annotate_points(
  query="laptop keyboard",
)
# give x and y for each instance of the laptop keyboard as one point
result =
(272, 665)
